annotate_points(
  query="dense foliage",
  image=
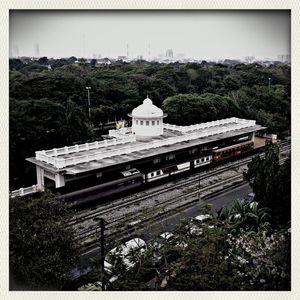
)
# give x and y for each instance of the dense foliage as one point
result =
(42, 249)
(271, 183)
(48, 107)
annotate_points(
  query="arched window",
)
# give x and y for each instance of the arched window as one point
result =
(153, 123)
(157, 122)
(137, 122)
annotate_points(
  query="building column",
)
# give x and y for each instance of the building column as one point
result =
(40, 178)
(253, 136)
(59, 180)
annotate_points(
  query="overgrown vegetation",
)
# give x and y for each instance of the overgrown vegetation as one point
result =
(42, 249)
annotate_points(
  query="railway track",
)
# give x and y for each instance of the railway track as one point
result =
(88, 238)
(86, 223)
(105, 208)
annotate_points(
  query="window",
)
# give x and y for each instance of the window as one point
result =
(193, 151)
(197, 161)
(156, 160)
(152, 174)
(157, 122)
(147, 123)
(137, 122)
(170, 156)
(153, 123)
(142, 122)
(158, 172)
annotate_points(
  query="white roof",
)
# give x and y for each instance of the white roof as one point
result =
(147, 110)
(166, 235)
(203, 217)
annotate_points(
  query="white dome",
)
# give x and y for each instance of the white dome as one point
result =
(147, 110)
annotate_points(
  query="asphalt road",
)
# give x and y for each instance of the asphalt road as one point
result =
(219, 201)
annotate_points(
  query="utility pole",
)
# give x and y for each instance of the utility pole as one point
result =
(199, 183)
(89, 104)
(199, 188)
(102, 249)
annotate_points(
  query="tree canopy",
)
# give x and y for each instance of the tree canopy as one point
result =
(42, 248)
(271, 183)
(41, 99)
(186, 109)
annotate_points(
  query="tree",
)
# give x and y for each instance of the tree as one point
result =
(75, 127)
(15, 63)
(42, 247)
(43, 60)
(271, 183)
(93, 62)
(186, 109)
(72, 59)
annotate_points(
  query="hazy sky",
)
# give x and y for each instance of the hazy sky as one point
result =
(197, 34)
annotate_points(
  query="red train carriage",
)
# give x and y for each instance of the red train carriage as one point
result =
(231, 151)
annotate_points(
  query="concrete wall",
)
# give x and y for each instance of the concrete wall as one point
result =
(147, 127)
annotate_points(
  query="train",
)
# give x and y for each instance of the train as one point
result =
(133, 179)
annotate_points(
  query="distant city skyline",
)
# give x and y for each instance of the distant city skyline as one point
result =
(208, 35)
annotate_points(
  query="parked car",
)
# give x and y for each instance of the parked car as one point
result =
(249, 197)
(123, 253)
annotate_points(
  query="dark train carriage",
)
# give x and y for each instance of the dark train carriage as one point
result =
(232, 151)
(128, 180)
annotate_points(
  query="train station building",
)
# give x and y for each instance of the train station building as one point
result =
(149, 145)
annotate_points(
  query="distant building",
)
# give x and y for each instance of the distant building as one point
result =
(180, 56)
(286, 58)
(37, 50)
(104, 61)
(122, 58)
(169, 53)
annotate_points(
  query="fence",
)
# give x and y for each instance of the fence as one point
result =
(209, 124)
(24, 191)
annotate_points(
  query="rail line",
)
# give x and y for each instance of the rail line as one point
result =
(88, 236)
(104, 209)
